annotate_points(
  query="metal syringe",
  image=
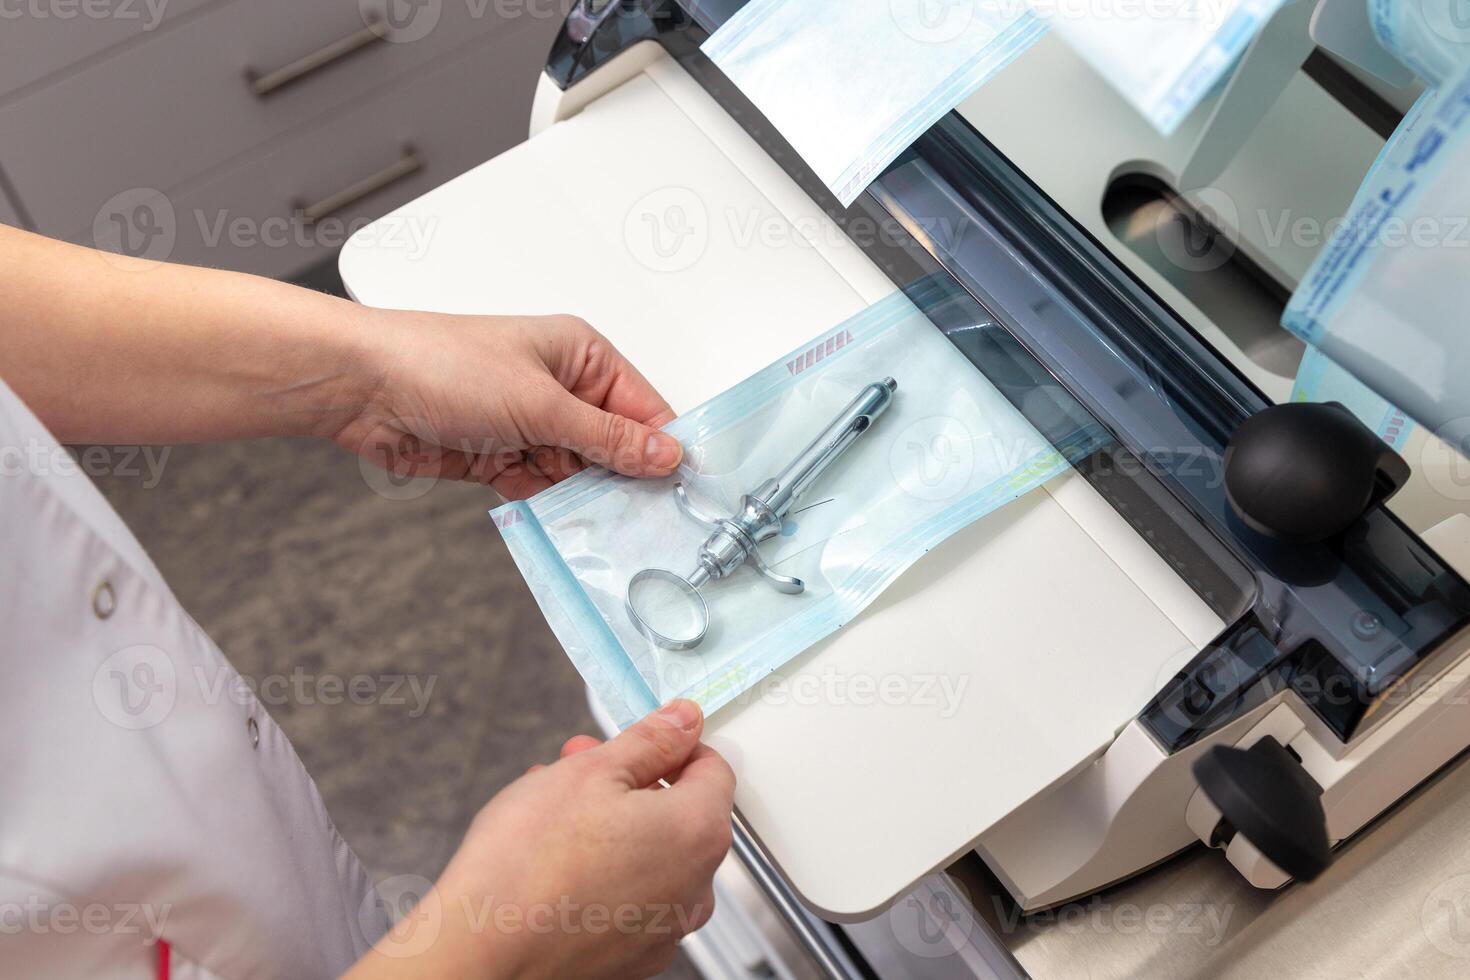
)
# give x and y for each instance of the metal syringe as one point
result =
(733, 539)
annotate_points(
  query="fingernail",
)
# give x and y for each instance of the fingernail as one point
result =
(682, 714)
(663, 451)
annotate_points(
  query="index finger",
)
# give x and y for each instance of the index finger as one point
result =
(611, 382)
(632, 396)
(706, 774)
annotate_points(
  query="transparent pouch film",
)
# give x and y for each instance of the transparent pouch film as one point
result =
(1404, 133)
(851, 85)
(1319, 379)
(1166, 58)
(946, 449)
(1385, 298)
(1430, 37)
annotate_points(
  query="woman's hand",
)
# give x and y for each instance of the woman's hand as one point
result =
(514, 402)
(583, 868)
(137, 351)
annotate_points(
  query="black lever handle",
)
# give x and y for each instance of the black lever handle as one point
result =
(1264, 794)
(1305, 471)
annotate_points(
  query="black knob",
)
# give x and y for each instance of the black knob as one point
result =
(1305, 471)
(1264, 794)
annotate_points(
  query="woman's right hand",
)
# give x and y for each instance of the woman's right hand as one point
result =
(586, 867)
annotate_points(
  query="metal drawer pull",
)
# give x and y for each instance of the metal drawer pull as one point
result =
(263, 84)
(409, 163)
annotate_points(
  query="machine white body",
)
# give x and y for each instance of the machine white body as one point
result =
(1016, 655)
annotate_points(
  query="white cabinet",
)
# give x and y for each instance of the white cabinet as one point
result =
(39, 39)
(354, 166)
(243, 110)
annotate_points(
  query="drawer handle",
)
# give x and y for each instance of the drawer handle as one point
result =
(409, 163)
(265, 83)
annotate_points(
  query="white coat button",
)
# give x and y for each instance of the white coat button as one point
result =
(254, 730)
(104, 600)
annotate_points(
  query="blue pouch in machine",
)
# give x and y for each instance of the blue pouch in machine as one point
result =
(1385, 298)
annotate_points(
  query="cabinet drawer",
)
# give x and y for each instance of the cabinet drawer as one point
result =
(446, 119)
(178, 105)
(38, 38)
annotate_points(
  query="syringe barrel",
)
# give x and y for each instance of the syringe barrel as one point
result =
(827, 447)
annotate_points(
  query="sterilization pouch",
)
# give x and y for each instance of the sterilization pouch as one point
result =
(1319, 379)
(1385, 298)
(948, 449)
(1164, 57)
(851, 85)
(1430, 37)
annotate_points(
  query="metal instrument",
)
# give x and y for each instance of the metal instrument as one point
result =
(733, 539)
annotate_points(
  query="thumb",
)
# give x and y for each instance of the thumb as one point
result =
(614, 441)
(656, 747)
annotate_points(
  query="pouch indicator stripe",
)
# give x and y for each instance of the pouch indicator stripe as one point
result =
(505, 518)
(716, 415)
(822, 350)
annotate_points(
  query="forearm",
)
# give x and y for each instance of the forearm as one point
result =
(449, 934)
(105, 348)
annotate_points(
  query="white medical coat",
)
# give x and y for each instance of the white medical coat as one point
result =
(140, 791)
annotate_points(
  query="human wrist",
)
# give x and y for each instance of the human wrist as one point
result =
(476, 927)
(345, 370)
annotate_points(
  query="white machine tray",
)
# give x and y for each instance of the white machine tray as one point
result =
(1018, 648)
